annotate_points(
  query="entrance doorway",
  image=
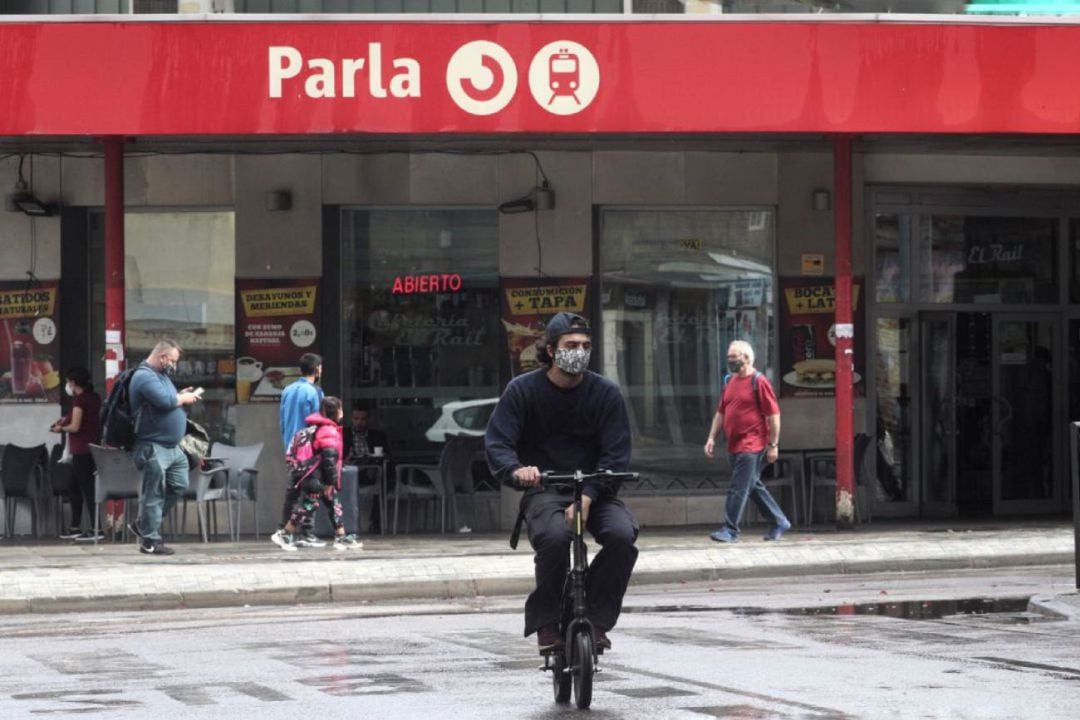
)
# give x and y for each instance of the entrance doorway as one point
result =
(988, 430)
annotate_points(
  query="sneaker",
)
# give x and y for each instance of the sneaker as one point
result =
(548, 638)
(309, 540)
(347, 542)
(600, 639)
(155, 547)
(724, 535)
(778, 530)
(464, 529)
(71, 533)
(89, 536)
(285, 541)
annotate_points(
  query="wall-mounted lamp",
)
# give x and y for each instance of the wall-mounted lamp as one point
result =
(278, 200)
(23, 199)
(27, 203)
(821, 200)
(539, 198)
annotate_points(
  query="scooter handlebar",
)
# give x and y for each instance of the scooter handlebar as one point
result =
(550, 478)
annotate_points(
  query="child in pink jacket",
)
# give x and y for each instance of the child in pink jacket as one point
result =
(324, 482)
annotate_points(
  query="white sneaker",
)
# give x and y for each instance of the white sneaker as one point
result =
(284, 541)
(347, 542)
(464, 529)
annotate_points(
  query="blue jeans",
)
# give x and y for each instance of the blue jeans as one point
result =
(746, 482)
(164, 479)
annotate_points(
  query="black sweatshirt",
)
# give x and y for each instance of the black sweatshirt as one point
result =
(538, 423)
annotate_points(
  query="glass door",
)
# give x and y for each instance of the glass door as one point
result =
(1025, 433)
(939, 430)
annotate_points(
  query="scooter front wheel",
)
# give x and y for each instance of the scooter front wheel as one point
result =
(560, 679)
(581, 666)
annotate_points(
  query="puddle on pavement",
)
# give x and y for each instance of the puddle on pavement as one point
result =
(1006, 611)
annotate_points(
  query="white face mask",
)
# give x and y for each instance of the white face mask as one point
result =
(70, 390)
(572, 361)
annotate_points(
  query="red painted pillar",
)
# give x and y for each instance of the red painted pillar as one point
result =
(845, 335)
(114, 259)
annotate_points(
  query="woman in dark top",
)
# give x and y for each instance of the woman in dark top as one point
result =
(83, 428)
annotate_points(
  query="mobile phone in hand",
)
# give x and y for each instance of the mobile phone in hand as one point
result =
(199, 392)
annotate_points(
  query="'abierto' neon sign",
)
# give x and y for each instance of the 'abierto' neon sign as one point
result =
(413, 284)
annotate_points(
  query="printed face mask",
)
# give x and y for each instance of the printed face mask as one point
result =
(734, 365)
(572, 361)
(169, 369)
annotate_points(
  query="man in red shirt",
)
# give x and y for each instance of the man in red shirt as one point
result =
(750, 417)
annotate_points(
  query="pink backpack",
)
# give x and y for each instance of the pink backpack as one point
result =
(301, 457)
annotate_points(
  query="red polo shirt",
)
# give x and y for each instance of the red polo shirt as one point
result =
(744, 423)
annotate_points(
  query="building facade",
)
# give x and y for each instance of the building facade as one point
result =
(682, 193)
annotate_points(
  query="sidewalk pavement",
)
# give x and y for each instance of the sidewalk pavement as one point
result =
(57, 576)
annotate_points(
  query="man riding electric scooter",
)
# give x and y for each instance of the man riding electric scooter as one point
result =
(563, 418)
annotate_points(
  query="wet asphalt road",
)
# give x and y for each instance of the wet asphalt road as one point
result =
(731, 650)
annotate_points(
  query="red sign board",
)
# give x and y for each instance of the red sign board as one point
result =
(240, 78)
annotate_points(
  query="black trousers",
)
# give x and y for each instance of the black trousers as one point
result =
(292, 499)
(82, 491)
(612, 526)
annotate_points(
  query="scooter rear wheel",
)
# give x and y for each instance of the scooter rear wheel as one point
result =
(581, 666)
(560, 679)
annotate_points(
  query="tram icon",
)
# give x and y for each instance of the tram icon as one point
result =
(564, 75)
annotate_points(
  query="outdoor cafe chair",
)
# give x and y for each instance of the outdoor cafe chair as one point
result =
(116, 478)
(242, 480)
(206, 486)
(63, 485)
(785, 474)
(22, 470)
(823, 475)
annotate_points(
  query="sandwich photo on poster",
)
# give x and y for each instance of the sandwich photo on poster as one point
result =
(29, 347)
(527, 305)
(277, 322)
(808, 337)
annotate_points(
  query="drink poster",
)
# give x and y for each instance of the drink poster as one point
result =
(527, 305)
(277, 322)
(808, 337)
(29, 343)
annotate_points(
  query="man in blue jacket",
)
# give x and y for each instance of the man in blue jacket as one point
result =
(299, 400)
(160, 424)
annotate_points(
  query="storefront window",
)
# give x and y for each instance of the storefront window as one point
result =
(180, 270)
(420, 316)
(676, 287)
(892, 248)
(1074, 370)
(893, 440)
(1074, 261)
(988, 260)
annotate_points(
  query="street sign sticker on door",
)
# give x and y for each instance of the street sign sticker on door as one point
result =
(813, 264)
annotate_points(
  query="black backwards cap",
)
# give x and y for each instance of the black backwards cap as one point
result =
(565, 323)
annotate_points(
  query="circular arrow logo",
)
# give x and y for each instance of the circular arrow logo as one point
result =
(481, 77)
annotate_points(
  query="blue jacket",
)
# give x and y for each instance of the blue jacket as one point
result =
(298, 400)
(159, 419)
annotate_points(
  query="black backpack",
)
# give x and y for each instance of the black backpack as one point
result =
(117, 418)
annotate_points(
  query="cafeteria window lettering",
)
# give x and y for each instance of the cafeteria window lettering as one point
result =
(990, 260)
(420, 319)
